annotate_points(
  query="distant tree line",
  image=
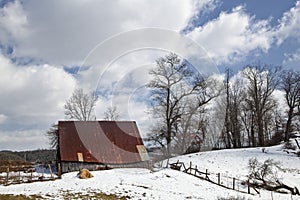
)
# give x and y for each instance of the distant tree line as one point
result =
(36, 156)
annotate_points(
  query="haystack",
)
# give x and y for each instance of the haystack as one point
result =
(84, 174)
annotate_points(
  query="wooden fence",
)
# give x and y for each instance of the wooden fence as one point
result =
(222, 180)
(16, 177)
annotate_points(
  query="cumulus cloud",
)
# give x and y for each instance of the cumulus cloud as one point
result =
(289, 25)
(123, 84)
(32, 97)
(19, 140)
(64, 32)
(233, 35)
(13, 22)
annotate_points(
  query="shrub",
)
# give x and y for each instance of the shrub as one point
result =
(265, 172)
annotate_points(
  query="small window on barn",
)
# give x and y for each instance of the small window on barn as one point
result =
(80, 157)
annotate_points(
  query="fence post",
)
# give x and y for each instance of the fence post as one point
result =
(219, 178)
(31, 176)
(233, 184)
(43, 172)
(190, 167)
(7, 175)
(59, 169)
(50, 171)
(195, 170)
(248, 183)
(19, 176)
(206, 173)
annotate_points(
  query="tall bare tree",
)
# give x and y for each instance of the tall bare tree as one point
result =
(111, 113)
(236, 97)
(262, 83)
(226, 134)
(81, 105)
(233, 100)
(290, 84)
(172, 84)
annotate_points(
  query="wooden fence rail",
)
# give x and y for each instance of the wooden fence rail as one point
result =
(233, 183)
(16, 177)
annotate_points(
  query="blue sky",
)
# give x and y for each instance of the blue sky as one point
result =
(48, 48)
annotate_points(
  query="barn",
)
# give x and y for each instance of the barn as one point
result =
(99, 145)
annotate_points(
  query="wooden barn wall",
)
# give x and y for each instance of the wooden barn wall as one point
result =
(76, 166)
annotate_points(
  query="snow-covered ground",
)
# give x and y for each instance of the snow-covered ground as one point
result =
(234, 162)
(171, 184)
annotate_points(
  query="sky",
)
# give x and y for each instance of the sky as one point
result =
(49, 48)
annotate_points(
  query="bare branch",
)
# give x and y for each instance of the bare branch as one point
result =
(81, 105)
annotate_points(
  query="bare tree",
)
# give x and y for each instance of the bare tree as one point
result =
(226, 135)
(81, 105)
(188, 131)
(52, 135)
(174, 83)
(231, 135)
(262, 83)
(248, 122)
(167, 91)
(290, 84)
(111, 113)
(237, 97)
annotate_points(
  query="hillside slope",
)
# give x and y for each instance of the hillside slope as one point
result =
(167, 183)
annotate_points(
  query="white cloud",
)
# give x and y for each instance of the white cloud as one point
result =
(32, 97)
(233, 35)
(23, 140)
(293, 59)
(13, 22)
(2, 118)
(63, 32)
(289, 24)
(123, 85)
(33, 90)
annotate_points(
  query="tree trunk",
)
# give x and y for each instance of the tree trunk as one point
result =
(288, 125)
(169, 131)
(252, 131)
(260, 124)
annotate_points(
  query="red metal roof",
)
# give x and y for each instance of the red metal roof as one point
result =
(109, 142)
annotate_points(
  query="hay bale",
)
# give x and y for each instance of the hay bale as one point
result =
(84, 174)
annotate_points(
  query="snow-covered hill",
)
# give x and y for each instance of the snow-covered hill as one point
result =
(170, 184)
